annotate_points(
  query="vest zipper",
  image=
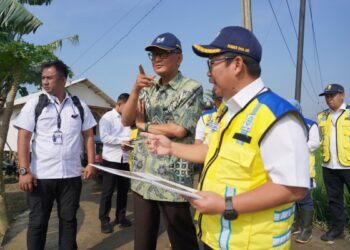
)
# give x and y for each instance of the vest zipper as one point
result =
(336, 138)
(205, 170)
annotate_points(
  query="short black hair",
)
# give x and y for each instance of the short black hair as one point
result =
(61, 68)
(253, 66)
(123, 97)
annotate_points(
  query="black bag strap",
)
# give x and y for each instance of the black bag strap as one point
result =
(77, 104)
(42, 103)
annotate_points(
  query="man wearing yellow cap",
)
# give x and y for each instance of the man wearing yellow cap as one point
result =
(334, 124)
(256, 163)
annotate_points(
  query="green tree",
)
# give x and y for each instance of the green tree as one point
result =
(15, 18)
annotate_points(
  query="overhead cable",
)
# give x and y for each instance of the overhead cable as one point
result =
(121, 39)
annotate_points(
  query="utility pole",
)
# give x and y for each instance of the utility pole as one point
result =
(300, 51)
(246, 14)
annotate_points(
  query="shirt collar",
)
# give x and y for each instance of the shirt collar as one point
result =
(54, 99)
(239, 100)
(342, 107)
(116, 112)
(174, 83)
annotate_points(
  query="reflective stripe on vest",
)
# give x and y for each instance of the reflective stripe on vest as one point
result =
(239, 166)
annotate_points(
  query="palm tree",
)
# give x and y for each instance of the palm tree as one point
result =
(15, 18)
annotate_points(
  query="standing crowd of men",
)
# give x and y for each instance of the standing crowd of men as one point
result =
(256, 150)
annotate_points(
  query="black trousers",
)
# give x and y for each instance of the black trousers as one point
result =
(109, 181)
(334, 180)
(178, 220)
(66, 192)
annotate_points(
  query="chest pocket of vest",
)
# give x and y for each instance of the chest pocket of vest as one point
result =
(322, 127)
(235, 163)
(346, 129)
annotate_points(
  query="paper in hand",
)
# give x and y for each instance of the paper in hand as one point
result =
(154, 180)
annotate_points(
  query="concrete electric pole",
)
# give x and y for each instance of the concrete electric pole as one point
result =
(246, 14)
(300, 51)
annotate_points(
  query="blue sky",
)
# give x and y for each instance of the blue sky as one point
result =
(101, 25)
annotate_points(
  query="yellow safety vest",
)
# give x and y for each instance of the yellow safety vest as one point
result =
(342, 136)
(133, 136)
(211, 121)
(234, 166)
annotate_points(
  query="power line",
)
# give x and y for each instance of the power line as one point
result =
(280, 29)
(121, 39)
(270, 26)
(315, 45)
(285, 42)
(106, 33)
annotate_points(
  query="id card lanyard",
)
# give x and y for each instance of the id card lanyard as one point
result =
(57, 137)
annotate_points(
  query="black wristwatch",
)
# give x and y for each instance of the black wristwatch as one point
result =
(230, 213)
(22, 171)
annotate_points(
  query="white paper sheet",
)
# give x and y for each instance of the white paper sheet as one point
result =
(154, 180)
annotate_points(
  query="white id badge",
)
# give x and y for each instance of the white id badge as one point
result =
(57, 137)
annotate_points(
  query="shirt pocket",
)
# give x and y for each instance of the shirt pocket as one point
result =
(46, 123)
(346, 129)
(75, 123)
(235, 163)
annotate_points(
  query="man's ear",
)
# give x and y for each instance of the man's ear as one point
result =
(179, 60)
(237, 64)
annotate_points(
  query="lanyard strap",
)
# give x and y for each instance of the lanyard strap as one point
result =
(59, 120)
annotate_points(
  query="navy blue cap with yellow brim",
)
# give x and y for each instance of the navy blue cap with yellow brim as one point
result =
(233, 39)
(332, 89)
(205, 50)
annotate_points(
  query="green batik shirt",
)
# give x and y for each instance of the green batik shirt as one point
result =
(179, 102)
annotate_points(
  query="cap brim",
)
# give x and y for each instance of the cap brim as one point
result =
(153, 47)
(205, 50)
(330, 93)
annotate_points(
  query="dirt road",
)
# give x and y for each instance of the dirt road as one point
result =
(90, 237)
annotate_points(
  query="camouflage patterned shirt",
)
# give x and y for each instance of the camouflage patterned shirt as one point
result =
(178, 102)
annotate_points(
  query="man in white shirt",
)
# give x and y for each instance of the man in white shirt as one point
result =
(114, 135)
(54, 170)
(253, 169)
(304, 209)
(334, 124)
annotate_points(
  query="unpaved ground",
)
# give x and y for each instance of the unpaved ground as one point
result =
(89, 235)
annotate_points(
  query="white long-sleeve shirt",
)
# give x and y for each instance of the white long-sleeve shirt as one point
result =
(314, 138)
(113, 133)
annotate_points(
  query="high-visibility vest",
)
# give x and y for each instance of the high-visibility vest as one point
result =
(133, 136)
(342, 135)
(211, 120)
(234, 166)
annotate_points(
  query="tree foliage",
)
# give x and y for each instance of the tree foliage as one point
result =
(15, 18)
(19, 64)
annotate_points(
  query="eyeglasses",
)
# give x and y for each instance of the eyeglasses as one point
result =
(162, 55)
(210, 62)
